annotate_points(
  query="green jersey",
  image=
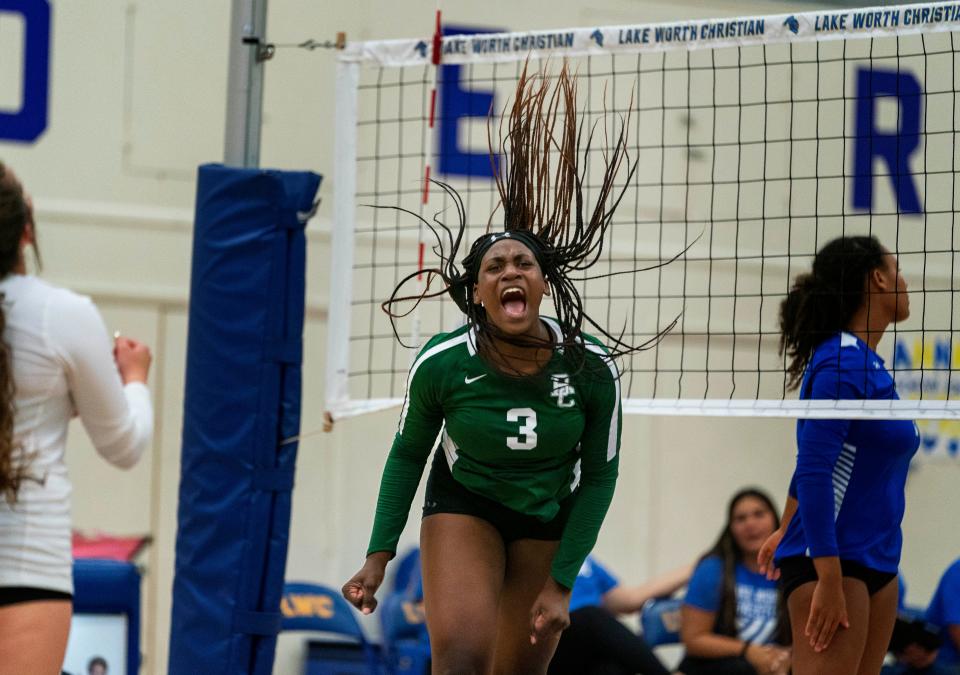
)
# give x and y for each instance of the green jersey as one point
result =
(525, 442)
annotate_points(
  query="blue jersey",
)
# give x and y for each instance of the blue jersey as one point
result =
(756, 598)
(591, 585)
(850, 476)
(944, 611)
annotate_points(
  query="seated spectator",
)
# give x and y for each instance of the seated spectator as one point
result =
(944, 612)
(596, 642)
(915, 644)
(732, 622)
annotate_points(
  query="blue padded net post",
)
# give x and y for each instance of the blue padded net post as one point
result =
(242, 399)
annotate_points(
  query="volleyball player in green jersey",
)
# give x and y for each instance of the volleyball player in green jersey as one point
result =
(527, 410)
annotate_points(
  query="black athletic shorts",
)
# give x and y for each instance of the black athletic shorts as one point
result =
(14, 595)
(446, 495)
(796, 570)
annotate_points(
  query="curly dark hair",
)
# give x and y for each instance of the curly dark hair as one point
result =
(823, 301)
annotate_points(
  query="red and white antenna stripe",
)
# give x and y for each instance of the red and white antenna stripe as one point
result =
(435, 54)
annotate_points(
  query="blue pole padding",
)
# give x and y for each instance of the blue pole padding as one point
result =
(241, 400)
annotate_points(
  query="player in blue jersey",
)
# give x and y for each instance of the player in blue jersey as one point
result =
(731, 622)
(838, 549)
(527, 409)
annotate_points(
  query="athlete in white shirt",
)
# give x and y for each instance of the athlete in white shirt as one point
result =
(56, 361)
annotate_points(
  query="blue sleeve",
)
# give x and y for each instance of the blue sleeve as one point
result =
(950, 595)
(819, 443)
(703, 591)
(792, 489)
(604, 580)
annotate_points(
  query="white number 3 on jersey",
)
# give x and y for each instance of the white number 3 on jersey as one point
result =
(527, 440)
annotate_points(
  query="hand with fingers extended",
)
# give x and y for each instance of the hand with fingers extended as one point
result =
(360, 591)
(828, 612)
(768, 659)
(550, 613)
(766, 553)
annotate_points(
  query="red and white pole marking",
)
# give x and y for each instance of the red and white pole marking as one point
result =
(432, 117)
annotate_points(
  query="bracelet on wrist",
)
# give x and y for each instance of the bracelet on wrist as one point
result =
(746, 646)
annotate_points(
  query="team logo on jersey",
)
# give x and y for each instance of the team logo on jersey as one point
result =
(563, 391)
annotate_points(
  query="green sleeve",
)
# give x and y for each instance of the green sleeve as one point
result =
(599, 465)
(420, 422)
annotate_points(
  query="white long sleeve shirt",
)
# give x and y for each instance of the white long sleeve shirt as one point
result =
(62, 365)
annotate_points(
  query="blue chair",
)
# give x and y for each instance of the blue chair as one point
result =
(660, 621)
(406, 644)
(343, 649)
(407, 568)
(110, 587)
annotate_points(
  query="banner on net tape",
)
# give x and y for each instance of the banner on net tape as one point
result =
(699, 34)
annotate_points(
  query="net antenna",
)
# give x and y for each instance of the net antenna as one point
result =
(758, 140)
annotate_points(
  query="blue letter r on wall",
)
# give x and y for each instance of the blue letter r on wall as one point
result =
(893, 148)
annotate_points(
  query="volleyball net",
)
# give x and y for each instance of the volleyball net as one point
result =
(757, 140)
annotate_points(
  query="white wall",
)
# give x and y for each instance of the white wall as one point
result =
(138, 101)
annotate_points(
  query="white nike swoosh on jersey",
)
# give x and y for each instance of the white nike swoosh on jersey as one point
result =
(468, 380)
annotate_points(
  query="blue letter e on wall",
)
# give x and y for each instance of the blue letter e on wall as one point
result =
(458, 105)
(29, 120)
(894, 147)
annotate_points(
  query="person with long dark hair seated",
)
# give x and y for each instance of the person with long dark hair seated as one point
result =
(732, 622)
(838, 550)
(527, 408)
(915, 644)
(56, 361)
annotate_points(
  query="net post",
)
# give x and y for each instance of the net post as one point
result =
(342, 234)
(248, 24)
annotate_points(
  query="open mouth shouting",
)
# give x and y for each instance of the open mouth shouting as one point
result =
(510, 286)
(513, 299)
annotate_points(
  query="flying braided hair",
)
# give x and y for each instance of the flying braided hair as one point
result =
(541, 193)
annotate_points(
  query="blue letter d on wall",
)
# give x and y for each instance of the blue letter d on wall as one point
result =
(894, 147)
(30, 120)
